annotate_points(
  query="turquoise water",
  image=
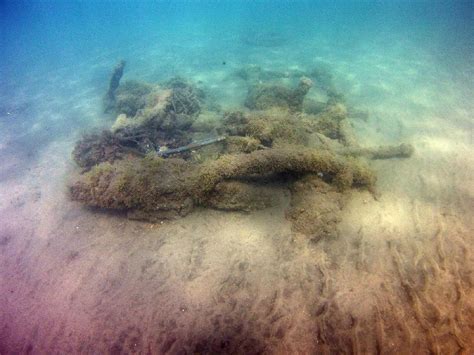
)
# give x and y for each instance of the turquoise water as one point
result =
(75, 280)
(57, 56)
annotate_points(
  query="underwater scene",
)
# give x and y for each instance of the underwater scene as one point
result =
(236, 177)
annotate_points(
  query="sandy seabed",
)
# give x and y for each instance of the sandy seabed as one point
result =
(398, 278)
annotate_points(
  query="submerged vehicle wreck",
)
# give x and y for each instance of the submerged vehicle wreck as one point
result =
(159, 161)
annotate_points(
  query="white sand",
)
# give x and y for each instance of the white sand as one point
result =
(398, 278)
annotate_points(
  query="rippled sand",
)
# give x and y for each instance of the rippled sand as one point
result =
(397, 279)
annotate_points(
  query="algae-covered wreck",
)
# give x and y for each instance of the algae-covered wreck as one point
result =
(149, 163)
